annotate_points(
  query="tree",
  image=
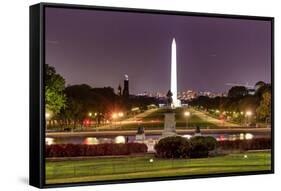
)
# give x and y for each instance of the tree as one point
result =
(264, 109)
(262, 89)
(248, 102)
(54, 90)
(237, 91)
(259, 84)
(82, 99)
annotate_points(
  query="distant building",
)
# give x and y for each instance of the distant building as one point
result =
(126, 86)
(119, 90)
(187, 95)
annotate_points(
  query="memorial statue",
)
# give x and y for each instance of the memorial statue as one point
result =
(140, 136)
(169, 120)
(140, 130)
(197, 131)
(169, 98)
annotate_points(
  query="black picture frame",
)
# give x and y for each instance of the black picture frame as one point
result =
(37, 108)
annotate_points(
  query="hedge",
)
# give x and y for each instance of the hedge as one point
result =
(200, 146)
(253, 144)
(180, 147)
(108, 149)
(172, 147)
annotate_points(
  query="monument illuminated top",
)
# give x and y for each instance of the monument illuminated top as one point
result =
(176, 102)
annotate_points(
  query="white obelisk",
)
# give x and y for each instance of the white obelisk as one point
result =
(176, 102)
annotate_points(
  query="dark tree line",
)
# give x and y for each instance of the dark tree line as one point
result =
(239, 100)
(70, 106)
(83, 100)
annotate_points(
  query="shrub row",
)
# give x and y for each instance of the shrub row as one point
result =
(179, 147)
(253, 144)
(172, 147)
(74, 150)
(200, 146)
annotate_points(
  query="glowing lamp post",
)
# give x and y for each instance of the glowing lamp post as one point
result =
(47, 115)
(120, 114)
(248, 115)
(47, 118)
(114, 117)
(90, 114)
(186, 115)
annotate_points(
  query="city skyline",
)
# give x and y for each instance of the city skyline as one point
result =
(98, 48)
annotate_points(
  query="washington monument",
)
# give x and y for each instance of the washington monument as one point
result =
(176, 102)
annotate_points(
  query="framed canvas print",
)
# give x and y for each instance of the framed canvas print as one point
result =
(127, 95)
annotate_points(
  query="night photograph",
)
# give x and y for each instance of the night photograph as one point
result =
(132, 95)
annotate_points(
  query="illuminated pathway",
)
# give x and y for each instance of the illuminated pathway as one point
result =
(142, 115)
(132, 120)
(213, 120)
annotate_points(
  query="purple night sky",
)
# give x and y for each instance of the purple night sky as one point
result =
(99, 47)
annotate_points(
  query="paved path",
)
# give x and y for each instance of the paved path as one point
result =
(208, 118)
(141, 115)
(135, 119)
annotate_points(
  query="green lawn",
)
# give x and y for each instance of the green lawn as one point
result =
(155, 120)
(140, 167)
(193, 120)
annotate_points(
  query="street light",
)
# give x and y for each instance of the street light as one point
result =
(187, 115)
(248, 115)
(89, 121)
(120, 114)
(47, 115)
(114, 116)
(47, 118)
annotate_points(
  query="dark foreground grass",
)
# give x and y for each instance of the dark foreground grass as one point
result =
(141, 167)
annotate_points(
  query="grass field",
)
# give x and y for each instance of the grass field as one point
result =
(193, 120)
(140, 167)
(155, 120)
